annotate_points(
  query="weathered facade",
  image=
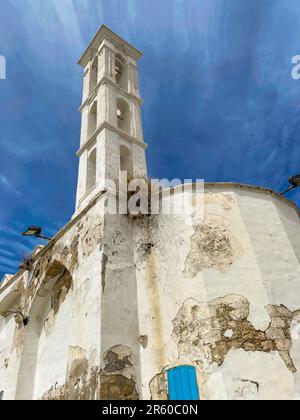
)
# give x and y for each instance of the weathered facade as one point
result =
(114, 302)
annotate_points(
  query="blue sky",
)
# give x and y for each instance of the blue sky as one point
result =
(219, 99)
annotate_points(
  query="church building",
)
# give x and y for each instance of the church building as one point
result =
(198, 305)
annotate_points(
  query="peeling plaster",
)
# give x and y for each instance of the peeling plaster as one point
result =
(92, 235)
(118, 381)
(224, 200)
(60, 290)
(213, 245)
(55, 393)
(44, 272)
(82, 379)
(159, 387)
(74, 253)
(201, 330)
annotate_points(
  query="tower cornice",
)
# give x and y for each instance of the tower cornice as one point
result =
(108, 126)
(106, 33)
(103, 80)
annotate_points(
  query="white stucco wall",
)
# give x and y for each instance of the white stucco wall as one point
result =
(39, 354)
(152, 293)
(264, 270)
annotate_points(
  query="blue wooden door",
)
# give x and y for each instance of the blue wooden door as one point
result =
(182, 382)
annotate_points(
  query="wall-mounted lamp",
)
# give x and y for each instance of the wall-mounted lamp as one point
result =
(294, 181)
(36, 232)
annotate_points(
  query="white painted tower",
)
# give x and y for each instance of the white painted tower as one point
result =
(111, 129)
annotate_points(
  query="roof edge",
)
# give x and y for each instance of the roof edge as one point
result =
(254, 188)
(245, 187)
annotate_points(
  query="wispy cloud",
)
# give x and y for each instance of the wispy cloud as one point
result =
(6, 184)
(4, 181)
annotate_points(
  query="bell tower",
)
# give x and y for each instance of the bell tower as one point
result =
(111, 127)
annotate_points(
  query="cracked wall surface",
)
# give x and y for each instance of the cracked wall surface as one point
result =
(208, 331)
(246, 390)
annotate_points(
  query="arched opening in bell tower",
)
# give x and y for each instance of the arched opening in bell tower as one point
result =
(94, 74)
(121, 72)
(92, 121)
(126, 160)
(91, 170)
(123, 115)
